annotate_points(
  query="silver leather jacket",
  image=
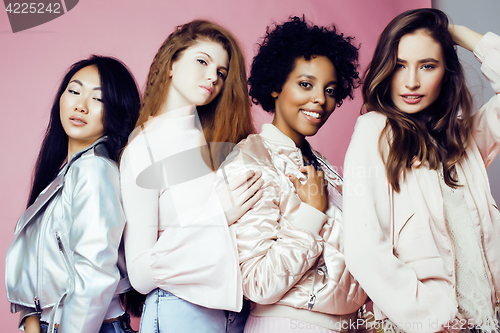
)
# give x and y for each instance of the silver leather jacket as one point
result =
(66, 245)
(290, 253)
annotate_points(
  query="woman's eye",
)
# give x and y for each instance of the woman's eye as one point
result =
(330, 92)
(98, 99)
(202, 61)
(427, 66)
(74, 92)
(399, 66)
(222, 75)
(305, 84)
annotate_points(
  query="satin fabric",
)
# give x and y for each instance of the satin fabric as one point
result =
(289, 250)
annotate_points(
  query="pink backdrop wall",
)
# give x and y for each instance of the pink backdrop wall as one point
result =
(33, 61)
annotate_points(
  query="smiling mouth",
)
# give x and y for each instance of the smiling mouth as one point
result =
(311, 114)
(412, 99)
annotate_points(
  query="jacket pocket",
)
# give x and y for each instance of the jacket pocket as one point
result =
(67, 260)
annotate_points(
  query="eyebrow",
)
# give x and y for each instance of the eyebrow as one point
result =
(208, 55)
(81, 84)
(420, 61)
(314, 78)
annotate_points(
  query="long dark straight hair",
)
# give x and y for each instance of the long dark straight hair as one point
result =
(121, 101)
(433, 136)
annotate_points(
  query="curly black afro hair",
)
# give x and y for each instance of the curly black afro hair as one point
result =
(295, 39)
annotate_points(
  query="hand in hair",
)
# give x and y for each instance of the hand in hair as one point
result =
(240, 194)
(313, 191)
(464, 36)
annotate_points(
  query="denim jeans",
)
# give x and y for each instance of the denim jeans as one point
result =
(164, 312)
(120, 325)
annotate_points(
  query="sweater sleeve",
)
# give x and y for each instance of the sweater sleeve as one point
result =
(195, 256)
(486, 123)
(141, 231)
(391, 283)
(274, 252)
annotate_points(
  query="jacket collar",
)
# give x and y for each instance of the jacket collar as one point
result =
(272, 133)
(281, 144)
(284, 143)
(77, 155)
(53, 188)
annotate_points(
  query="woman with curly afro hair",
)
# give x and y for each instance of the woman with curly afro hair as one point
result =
(290, 242)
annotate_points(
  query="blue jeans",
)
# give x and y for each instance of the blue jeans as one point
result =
(120, 325)
(164, 312)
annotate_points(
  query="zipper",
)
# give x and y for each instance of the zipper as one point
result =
(312, 300)
(36, 300)
(327, 166)
(312, 295)
(62, 249)
(66, 258)
(39, 259)
(59, 242)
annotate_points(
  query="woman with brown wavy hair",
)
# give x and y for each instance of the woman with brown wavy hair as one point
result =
(422, 229)
(178, 247)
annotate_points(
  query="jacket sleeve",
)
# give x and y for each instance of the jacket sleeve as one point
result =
(391, 284)
(486, 124)
(345, 289)
(97, 226)
(274, 252)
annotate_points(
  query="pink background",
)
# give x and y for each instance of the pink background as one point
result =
(33, 62)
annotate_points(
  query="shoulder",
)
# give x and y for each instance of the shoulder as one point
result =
(369, 141)
(369, 128)
(254, 145)
(94, 164)
(372, 122)
(251, 150)
(250, 154)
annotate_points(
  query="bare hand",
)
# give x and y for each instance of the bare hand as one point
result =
(313, 191)
(238, 195)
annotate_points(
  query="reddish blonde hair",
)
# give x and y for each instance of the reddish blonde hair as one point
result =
(227, 118)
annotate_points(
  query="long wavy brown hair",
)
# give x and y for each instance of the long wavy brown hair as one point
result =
(227, 118)
(437, 135)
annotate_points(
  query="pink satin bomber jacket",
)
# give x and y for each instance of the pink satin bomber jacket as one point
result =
(289, 250)
(397, 244)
